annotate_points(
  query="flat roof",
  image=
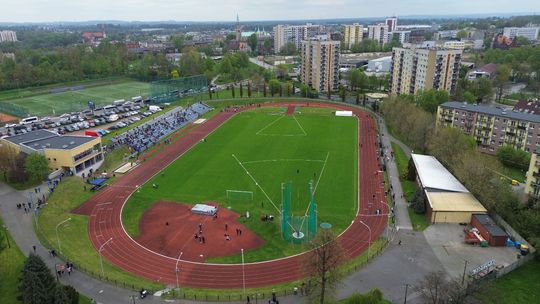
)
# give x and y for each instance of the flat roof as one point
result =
(453, 201)
(511, 114)
(60, 142)
(30, 136)
(490, 225)
(434, 175)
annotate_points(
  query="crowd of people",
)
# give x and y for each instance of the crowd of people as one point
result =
(148, 134)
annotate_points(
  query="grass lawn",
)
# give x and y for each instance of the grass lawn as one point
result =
(507, 171)
(274, 149)
(520, 286)
(76, 245)
(11, 265)
(44, 104)
(418, 221)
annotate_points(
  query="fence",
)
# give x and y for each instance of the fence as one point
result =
(13, 109)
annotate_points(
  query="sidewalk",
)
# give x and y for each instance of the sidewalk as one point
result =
(400, 207)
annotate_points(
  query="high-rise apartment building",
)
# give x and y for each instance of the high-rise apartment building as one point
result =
(391, 22)
(402, 36)
(8, 36)
(530, 33)
(352, 34)
(378, 32)
(416, 69)
(320, 64)
(284, 34)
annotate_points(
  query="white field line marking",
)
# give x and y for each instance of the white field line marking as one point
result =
(320, 175)
(281, 134)
(268, 125)
(282, 160)
(301, 128)
(256, 183)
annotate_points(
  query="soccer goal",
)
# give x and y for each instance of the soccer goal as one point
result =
(239, 196)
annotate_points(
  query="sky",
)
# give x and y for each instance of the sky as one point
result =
(248, 10)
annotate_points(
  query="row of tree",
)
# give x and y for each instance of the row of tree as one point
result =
(458, 153)
(19, 168)
(38, 286)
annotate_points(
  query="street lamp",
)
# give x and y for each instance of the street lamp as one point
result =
(7, 237)
(243, 273)
(369, 242)
(101, 257)
(388, 220)
(176, 270)
(58, 238)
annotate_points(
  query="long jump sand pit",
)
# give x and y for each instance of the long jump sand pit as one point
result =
(179, 235)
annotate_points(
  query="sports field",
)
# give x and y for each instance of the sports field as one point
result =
(77, 99)
(257, 151)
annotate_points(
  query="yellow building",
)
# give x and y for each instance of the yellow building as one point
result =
(78, 154)
(416, 69)
(320, 64)
(352, 34)
(532, 186)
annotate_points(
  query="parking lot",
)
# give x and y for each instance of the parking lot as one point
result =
(447, 243)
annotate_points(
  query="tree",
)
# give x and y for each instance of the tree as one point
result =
(501, 79)
(482, 89)
(37, 167)
(8, 160)
(437, 289)
(72, 294)
(289, 49)
(37, 284)
(374, 296)
(241, 91)
(60, 296)
(462, 34)
(357, 79)
(429, 100)
(322, 262)
(342, 93)
(514, 158)
(273, 86)
(252, 42)
(469, 97)
(191, 63)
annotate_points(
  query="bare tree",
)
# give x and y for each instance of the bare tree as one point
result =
(322, 263)
(436, 288)
(8, 159)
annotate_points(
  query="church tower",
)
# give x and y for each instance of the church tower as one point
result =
(238, 31)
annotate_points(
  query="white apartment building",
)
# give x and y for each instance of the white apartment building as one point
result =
(530, 33)
(8, 36)
(320, 64)
(352, 34)
(392, 23)
(403, 36)
(284, 34)
(416, 69)
(378, 32)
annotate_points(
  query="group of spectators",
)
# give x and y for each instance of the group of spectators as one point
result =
(148, 134)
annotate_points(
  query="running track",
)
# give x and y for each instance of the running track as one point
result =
(105, 209)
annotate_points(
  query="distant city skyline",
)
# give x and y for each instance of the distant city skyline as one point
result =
(248, 10)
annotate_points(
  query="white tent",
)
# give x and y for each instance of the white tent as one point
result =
(204, 209)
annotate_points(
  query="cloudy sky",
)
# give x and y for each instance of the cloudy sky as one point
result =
(224, 10)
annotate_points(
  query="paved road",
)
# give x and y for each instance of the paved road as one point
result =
(396, 266)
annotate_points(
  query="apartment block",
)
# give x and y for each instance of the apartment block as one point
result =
(352, 34)
(532, 185)
(415, 69)
(492, 127)
(530, 33)
(391, 22)
(8, 36)
(284, 34)
(320, 64)
(378, 32)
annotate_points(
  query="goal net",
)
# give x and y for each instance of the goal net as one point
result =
(239, 196)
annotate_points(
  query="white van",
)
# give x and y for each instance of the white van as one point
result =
(119, 102)
(154, 109)
(113, 117)
(29, 120)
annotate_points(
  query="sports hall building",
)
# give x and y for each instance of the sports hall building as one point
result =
(78, 154)
(447, 200)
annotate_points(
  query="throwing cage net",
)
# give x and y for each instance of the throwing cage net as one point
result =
(297, 229)
(239, 196)
(171, 89)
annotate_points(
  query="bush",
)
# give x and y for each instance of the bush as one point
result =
(511, 157)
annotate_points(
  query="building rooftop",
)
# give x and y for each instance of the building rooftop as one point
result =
(511, 114)
(434, 176)
(30, 136)
(490, 225)
(454, 201)
(59, 142)
(528, 106)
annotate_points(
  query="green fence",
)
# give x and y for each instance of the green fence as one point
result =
(13, 109)
(297, 228)
(171, 89)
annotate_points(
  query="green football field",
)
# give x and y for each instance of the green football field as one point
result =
(273, 148)
(49, 103)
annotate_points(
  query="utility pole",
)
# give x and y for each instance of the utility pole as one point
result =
(464, 270)
(406, 289)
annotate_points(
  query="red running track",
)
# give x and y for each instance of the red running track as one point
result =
(105, 209)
